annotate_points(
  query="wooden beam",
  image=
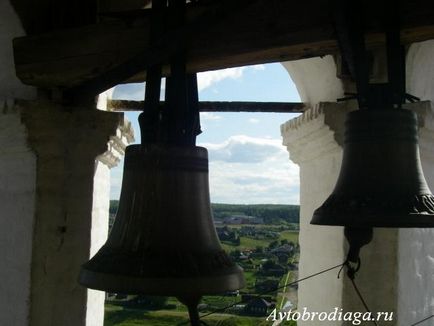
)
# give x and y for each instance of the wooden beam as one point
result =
(204, 106)
(43, 16)
(112, 6)
(218, 34)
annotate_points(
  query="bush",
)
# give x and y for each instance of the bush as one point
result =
(228, 322)
(148, 302)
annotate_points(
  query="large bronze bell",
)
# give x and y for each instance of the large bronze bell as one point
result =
(381, 183)
(163, 241)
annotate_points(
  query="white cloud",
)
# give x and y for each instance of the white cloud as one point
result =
(252, 170)
(244, 149)
(258, 67)
(208, 78)
(254, 120)
(204, 80)
(209, 116)
(244, 170)
(135, 91)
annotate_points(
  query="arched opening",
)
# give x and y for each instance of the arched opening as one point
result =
(254, 189)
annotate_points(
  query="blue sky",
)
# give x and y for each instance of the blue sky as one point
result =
(248, 164)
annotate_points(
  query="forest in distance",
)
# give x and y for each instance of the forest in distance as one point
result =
(270, 213)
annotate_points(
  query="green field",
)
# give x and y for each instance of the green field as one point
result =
(249, 243)
(289, 235)
(118, 316)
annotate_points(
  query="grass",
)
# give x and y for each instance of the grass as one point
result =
(218, 302)
(130, 317)
(249, 243)
(246, 243)
(250, 280)
(118, 316)
(289, 235)
(287, 278)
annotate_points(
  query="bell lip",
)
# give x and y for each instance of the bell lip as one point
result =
(412, 220)
(207, 285)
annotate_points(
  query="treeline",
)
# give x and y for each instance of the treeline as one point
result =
(270, 213)
(114, 204)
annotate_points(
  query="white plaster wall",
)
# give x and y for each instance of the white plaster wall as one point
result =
(10, 27)
(17, 182)
(378, 277)
(315, 79)
(416, 246)
(101, 103)
(420, 70)
(416, 281)
(321, 247)
(312, 143)
(39, 268)
(100, 206)
(17, 198)
(99, 232)
(66, 143)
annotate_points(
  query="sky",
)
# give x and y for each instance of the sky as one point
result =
(247, 162)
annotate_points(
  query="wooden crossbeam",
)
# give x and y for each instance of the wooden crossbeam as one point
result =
(204, 106)
(218, 34)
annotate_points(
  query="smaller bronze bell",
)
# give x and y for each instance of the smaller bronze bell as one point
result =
(163, 241)
(381, 183)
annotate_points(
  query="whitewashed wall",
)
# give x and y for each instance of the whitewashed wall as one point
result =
(17, 208)
(416, 246)
(315, 79)
(311, 142)
(49, 176)
(17, 182)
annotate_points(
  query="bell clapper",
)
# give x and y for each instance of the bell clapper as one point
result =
(192, 302)
(357, 237)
